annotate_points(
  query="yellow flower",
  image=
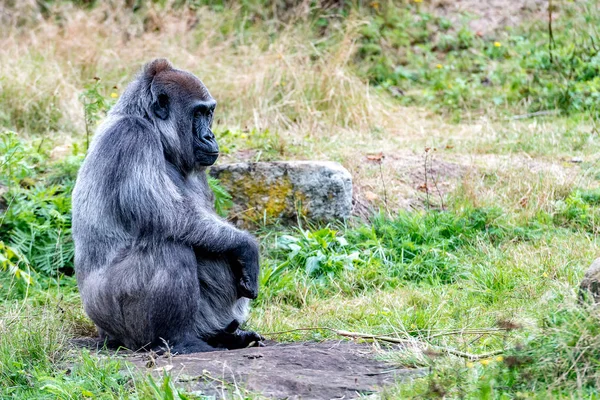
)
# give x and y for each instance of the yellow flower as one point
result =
(499, 358)
(484, 362)
(243, 136)
(375, 5)
(545, 275)
(418, 1)
(439, 66)
(470, 365)
(497, 44)
(114, 95)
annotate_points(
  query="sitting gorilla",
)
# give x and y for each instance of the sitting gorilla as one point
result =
(154, 262)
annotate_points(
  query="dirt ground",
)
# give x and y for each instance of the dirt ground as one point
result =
(397, 179)
(491, 15)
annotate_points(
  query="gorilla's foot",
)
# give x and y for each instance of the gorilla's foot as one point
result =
(239, 339)
(194, 345)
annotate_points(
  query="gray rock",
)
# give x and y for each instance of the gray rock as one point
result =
(319, 190)
(590, 285)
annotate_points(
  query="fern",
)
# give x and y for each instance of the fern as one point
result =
(35, 230)
(223, 200)
(36, 227)
(12, 260)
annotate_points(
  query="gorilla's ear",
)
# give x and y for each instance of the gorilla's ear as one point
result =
(160, 107)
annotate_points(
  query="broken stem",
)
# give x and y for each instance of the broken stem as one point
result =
(358, 335)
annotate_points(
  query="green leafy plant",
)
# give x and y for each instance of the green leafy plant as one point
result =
(17, 160)
(322, 254)
(95, 106)
(426, 61)
(36, 226)
(222, 197)
(87, 378)
(166, 390)
(13, 261)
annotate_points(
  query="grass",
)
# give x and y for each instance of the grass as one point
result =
(502, 257)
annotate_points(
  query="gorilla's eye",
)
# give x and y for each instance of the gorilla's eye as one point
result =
(202, 110)
(163, 100)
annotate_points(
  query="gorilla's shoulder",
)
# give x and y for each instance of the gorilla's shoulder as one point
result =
(128, 133)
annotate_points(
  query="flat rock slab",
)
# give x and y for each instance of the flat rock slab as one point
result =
(326, 370)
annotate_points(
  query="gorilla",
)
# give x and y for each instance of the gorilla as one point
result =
(155, 265)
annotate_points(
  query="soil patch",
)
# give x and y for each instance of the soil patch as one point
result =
(397, 180)
(492, 15)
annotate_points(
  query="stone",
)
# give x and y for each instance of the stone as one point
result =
(590, 285)
(318, 190)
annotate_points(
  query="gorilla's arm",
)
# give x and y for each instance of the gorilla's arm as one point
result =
(151, 205)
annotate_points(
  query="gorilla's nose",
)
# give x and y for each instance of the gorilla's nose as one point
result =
(208, 136)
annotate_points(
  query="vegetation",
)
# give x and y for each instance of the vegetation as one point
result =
(448, 66)
(490, 261)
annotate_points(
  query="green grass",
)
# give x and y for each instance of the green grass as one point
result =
(416, 273)
(452, 68)
(497, 269)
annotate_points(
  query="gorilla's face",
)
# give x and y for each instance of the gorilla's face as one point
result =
(185, 101)
(206, 149)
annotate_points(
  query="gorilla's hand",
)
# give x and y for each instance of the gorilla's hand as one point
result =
(245, 266)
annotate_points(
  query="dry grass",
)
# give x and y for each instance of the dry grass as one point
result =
(293, 85)
(259, 82)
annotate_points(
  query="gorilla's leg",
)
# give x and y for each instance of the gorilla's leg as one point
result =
(234, 338)
(149, 296)
(220, 309)
(185, 345)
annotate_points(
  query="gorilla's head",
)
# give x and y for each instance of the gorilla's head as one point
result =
(182, 99)
(181, 108)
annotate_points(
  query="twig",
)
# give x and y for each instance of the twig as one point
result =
(358, 335)
(441, 349)
(482, 331)
(383, 184)
(6, 210)
(435, 182)
(469, 356)
(536, 114)
(426, 183)
(475, 331)
(41, 143)
(551, 43)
